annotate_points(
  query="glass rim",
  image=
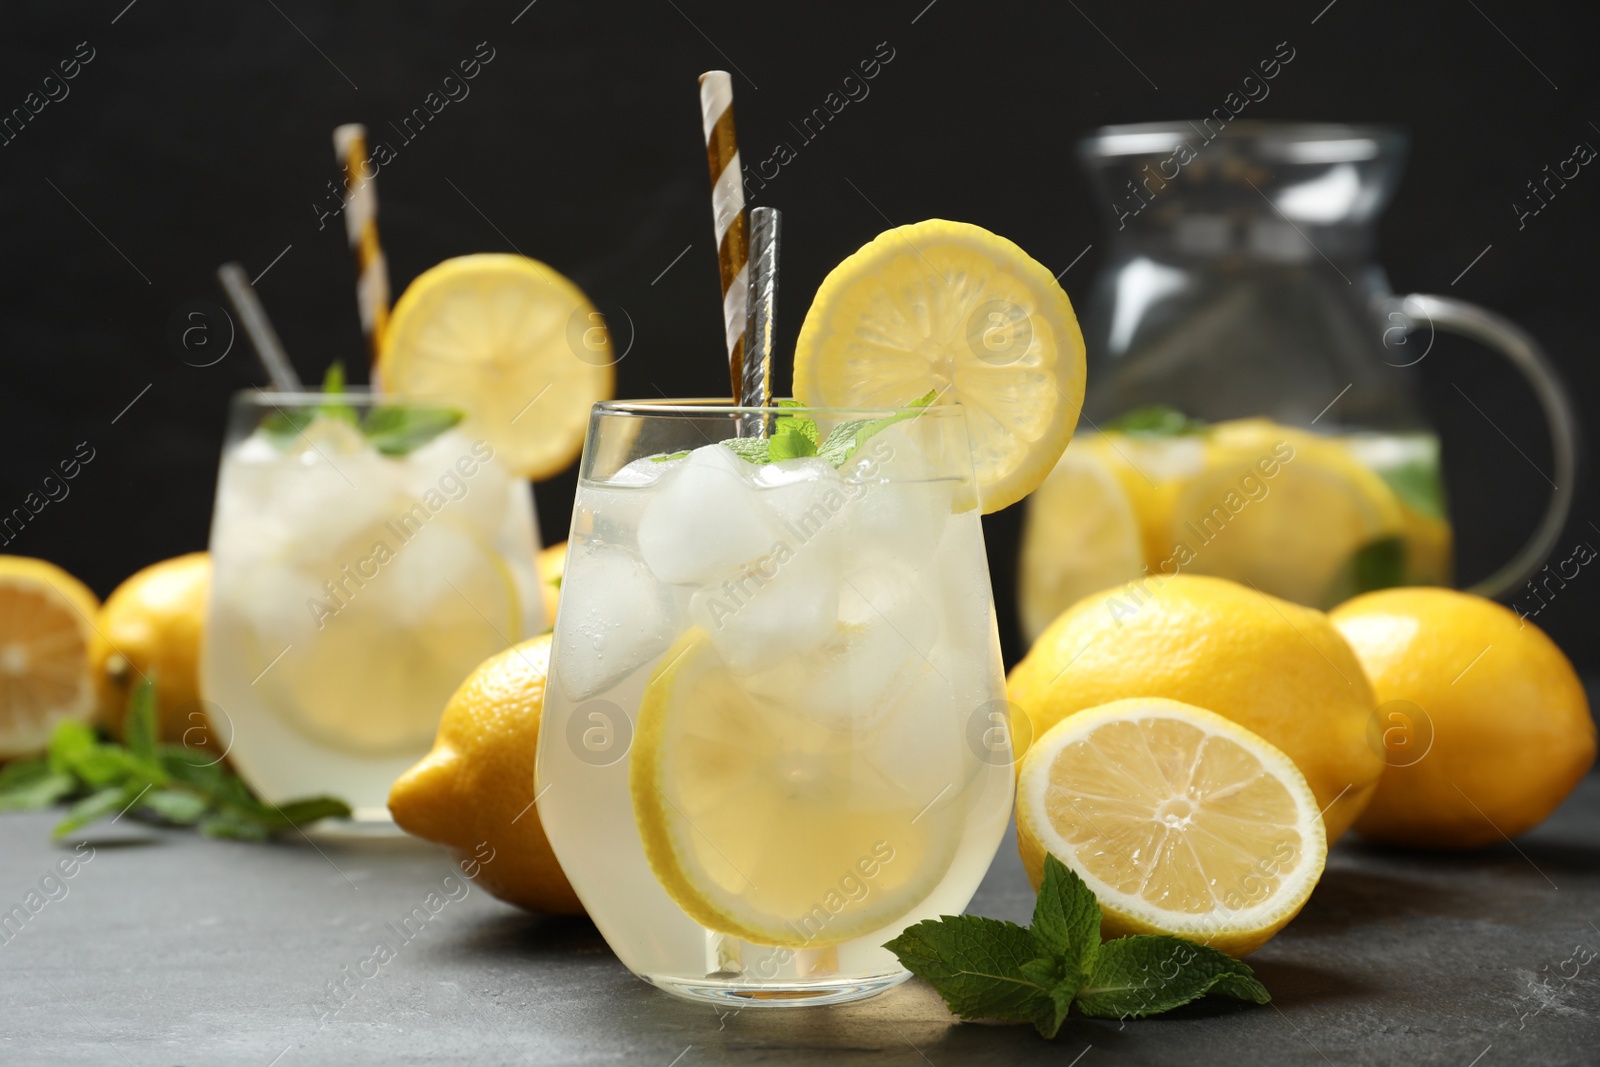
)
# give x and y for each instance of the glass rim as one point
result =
(714, 407)
(1285, 142)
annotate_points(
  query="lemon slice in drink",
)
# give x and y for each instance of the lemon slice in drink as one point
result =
(1081, 535)
(46, 630)
(778, 824)
(952, 307)
(1294, 532)
(515, 341)
(1181, 821)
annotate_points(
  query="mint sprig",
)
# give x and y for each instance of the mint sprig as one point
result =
(798, 436)
(989, 969)
(394, 429)
(175, 784)
(1155, 420)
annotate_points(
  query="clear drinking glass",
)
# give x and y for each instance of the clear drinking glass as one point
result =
(364, 563)
(775, 733)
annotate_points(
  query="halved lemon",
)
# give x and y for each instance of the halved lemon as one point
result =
(1081, 535)
(778, 824)
(951, 307)
(1283, 510)
(516, 342)
(46, 633)
(1181, 821)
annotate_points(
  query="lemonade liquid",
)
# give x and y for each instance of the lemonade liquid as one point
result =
(352, 592)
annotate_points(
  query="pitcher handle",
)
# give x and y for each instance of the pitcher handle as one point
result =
(1507, 338)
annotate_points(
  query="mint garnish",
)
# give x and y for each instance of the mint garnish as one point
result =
(175, 783)
(989, 969)
(1155, 420)
(394, 429)
(797, 436)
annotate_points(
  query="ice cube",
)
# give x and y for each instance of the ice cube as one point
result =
(901, 501)
(784, 604)
(447, 475)
(615, 618)
(705, 523)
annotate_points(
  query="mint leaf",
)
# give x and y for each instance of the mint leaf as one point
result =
(178, 784)
(94, 807)
(293, 813)
(794, 437)
(1060, 983)
(847, 438)
(1155, 420)
(234, 827)
(750, 449)
(174, 805)
(69, 743)
(333, 386)
(139, 723)
(988, 969)
(1378, 564)
(1417, 484)
(668, 457)
(1066, 920)
(975, 964)
(1148, 974)
(397, 429)
(284, 426)
(31, 784)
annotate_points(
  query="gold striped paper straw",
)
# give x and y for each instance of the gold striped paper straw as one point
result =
(361, 228)
(727, 207)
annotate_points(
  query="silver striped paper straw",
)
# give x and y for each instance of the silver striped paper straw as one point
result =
(766, 224)
(727, 207)
(361, 228)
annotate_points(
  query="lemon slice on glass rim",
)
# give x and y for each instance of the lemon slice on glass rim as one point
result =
(952, 307)
(1181, 821)
(514, 340)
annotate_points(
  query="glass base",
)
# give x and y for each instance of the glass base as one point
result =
(778, 994)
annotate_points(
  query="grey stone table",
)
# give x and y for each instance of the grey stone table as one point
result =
(163, 949)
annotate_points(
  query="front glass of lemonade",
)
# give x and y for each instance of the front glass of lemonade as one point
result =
(367, 557)
(771, 742)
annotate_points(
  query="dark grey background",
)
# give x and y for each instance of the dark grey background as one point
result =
(200, 133)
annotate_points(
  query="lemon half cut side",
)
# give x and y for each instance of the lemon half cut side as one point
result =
(1181, 821)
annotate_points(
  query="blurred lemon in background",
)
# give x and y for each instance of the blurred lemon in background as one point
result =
(151, 626)
(46, 631)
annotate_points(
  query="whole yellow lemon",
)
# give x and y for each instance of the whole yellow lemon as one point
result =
(474, 792)
(1484, 723)
(151, 626)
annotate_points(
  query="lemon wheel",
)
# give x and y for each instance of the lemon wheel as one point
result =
(1181, 821)
(46, 637)
(1081, 535)
(1292, 532)
(955, 308)
(756, 817)
(512, 339)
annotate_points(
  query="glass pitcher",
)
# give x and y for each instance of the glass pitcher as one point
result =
(1250, 408)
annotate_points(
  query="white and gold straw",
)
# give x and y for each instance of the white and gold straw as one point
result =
(727, 206)
(361, 228)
